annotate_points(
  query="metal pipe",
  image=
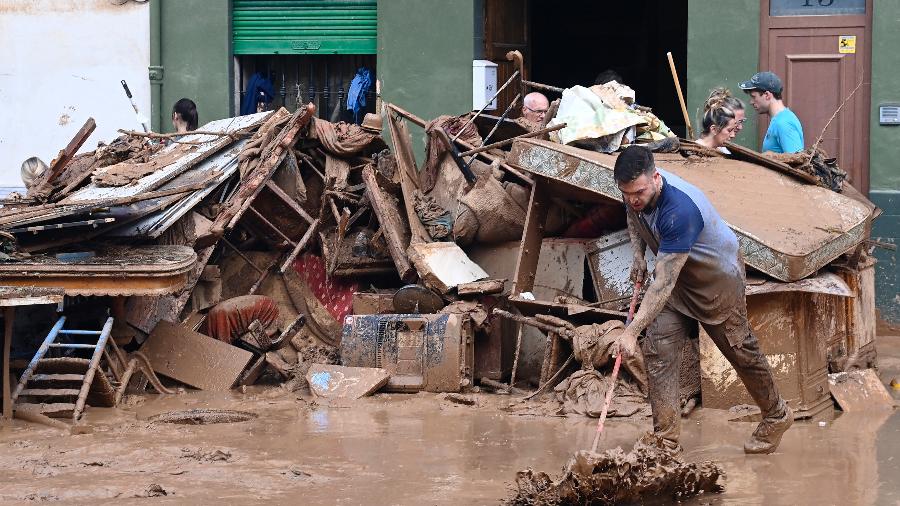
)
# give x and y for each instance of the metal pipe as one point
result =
(502, 118)
(561, 331)
(509, 141)
(545, 87)
(156, 110)
(515, 74)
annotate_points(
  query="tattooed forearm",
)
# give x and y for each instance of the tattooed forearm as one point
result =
(637, 243)
(668, 266)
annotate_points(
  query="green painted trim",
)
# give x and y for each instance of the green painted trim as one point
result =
(884, 141)
(723, 50)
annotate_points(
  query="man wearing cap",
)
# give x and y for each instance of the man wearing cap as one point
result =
(785, 134)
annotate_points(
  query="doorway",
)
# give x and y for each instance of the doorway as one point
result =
(570, 43)
(821, 49)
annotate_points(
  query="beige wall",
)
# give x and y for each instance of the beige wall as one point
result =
(62, 62)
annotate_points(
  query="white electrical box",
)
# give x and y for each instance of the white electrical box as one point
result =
(484, 84)
(889, 114)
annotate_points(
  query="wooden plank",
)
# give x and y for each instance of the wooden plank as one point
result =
(49, 392)
(194, 359)
(337, 170)
(339, 382)
(859, 391)
(288, 201)
(209, 146)
(444, 265)
(408, 175)
(483, 287)
(396, 230)
(532, 236)
(65, 156)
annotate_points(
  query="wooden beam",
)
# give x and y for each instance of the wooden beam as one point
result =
(396, 232)
(532, 237)
(65, 156)
(408, 174)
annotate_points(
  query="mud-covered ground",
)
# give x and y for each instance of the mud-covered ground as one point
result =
(416, 449)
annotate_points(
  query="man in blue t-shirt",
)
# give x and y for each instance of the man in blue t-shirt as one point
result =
(698, 279)
(785, 134)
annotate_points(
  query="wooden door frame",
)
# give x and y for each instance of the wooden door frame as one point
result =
(766, 22)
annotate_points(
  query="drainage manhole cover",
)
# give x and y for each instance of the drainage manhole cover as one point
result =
(202, 416)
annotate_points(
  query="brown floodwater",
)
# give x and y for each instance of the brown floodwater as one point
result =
(412, 449)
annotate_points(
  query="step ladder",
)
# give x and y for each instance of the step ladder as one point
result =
(59, 387)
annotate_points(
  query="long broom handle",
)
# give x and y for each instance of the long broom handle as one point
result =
(687, 118)
(615, 372)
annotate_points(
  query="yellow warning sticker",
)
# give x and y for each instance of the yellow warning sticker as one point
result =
(847, 44)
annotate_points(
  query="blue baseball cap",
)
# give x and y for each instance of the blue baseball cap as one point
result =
(764, 81)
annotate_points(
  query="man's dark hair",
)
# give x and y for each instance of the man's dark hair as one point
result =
(608, 75)
(632, 163)
(777, 96)
(187, 110)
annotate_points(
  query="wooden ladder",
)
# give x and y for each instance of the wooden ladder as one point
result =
(61, 395)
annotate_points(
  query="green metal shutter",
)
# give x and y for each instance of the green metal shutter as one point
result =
(304, 26)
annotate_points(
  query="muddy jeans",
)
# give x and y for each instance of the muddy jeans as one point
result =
(662, 356)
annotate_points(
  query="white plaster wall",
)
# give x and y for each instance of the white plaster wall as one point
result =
(61, 62)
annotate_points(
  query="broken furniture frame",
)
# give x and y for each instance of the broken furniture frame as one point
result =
(257, 340)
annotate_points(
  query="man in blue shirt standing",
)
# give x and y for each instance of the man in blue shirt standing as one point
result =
(785, 134)
(698, 281)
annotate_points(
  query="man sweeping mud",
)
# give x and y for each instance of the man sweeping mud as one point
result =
(698, 279)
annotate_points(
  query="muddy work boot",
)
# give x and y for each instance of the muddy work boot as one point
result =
(767, 436)
(673, 448)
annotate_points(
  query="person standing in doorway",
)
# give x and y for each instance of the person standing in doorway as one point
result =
(184, 116)
(785, 134)
(698, 279)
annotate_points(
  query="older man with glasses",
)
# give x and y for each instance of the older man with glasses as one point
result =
(534, 107)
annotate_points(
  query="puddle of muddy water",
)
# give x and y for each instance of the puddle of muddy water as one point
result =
(413, 449)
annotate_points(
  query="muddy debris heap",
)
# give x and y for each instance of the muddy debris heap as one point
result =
(647, 472)
(280, 248)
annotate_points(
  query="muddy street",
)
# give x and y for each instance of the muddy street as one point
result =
(416, 449)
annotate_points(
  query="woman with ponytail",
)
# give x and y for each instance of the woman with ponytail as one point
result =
(722, 119)
(184, 116)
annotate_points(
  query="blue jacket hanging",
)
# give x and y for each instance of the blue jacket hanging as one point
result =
(356, 97)
(258, 85)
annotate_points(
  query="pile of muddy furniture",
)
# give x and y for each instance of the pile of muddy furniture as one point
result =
(279, 247)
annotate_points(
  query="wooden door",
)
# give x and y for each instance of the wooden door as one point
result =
(506, 29)
(821, 59)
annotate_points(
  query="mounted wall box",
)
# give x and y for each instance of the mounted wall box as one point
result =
(889, 114)
(484, 84)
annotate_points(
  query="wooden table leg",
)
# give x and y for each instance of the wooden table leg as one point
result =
(8, 315)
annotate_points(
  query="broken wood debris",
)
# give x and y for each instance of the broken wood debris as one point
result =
(358, 248)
